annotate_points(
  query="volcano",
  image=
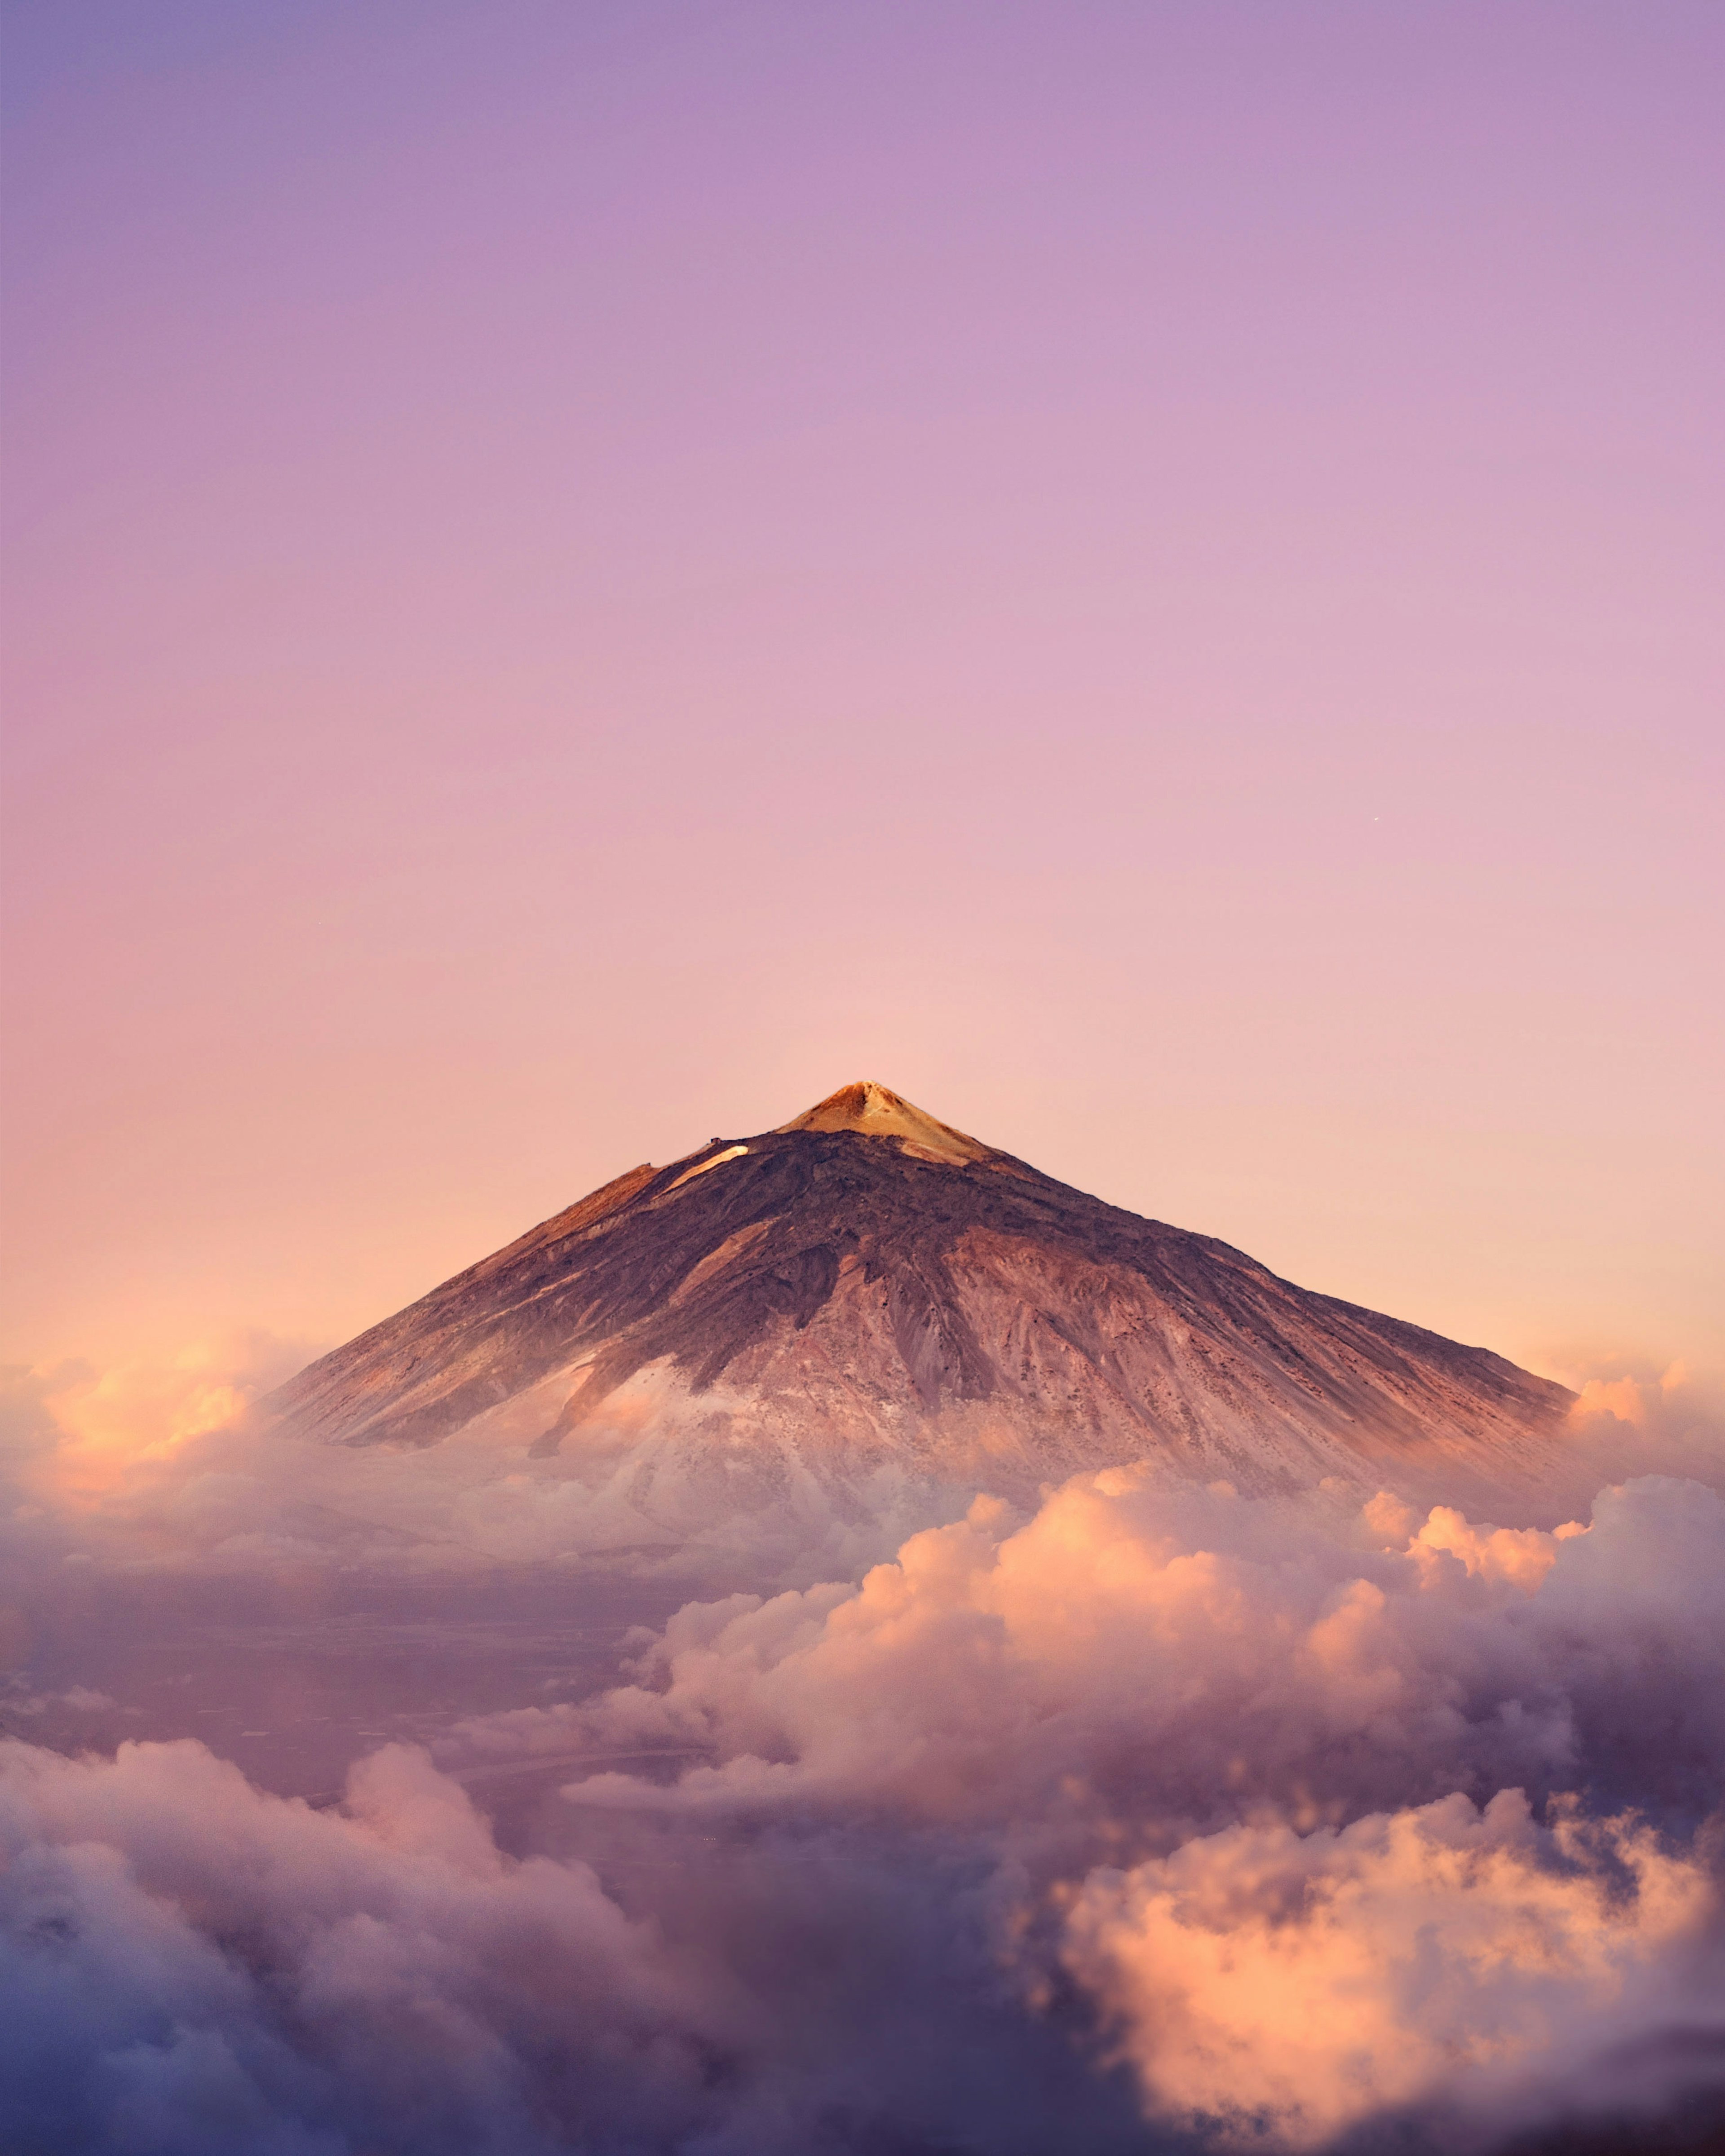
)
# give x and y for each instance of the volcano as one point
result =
(865, 1293)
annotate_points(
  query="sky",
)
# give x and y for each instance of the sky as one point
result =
(1146, 576)
(577, 577)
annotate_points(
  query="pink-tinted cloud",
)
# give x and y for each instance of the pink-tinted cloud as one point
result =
(1286, 1986)
(1152, 1788)
(1138, 1658)
(1306, 1833)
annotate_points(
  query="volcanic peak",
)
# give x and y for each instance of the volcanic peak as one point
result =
(799, 1310)
(872, 1110)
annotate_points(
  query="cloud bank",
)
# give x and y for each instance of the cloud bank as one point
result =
(1155, 1821)
(191, 1965)
(168, 1461)
(1159, 1661)
(172, 1462)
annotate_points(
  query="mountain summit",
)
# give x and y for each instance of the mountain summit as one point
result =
(865, 1293)
(875, 1111)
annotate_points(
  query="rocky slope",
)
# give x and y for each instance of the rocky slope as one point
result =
(865, 1296)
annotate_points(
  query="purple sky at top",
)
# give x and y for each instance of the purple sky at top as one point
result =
(1148, 575)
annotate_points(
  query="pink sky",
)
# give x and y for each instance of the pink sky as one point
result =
(1148, 576)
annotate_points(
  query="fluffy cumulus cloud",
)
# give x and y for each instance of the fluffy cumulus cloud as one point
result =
(1154, 1660)
(1152, 1821)
(1155, 1820)
(1634, 1416)
(194, 1966)
(1277, 1984)
(1330, 1812)
(189, 1967)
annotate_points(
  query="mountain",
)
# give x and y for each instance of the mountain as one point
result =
(865, 1297)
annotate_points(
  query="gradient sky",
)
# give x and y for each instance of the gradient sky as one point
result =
(1148, 575)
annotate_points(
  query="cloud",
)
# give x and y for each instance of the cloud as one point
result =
(169, 1462)
(16, 1698)
(79, 1433)
(1157, 1819)
(1149, 1661)
(1268, 1981)
(166, 1462)
(1332, 1826)
(191, 1964)
(1236, 1817)
(191, 1968)
(1647, 1417)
